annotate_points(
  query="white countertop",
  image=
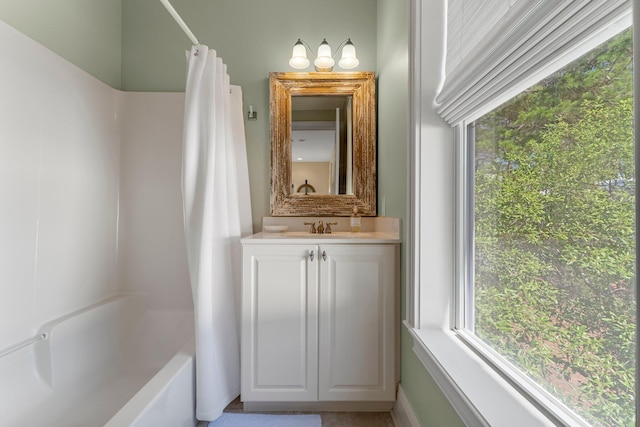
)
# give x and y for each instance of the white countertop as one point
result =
(304, 237)
(374, 230)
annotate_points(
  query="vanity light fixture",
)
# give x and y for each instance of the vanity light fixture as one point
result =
(324, 61)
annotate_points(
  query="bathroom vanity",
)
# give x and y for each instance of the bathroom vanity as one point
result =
(319, 318)
(320, 311)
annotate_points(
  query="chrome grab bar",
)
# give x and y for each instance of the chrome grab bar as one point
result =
(22, 344)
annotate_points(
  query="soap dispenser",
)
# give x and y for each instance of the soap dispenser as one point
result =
(355, 220)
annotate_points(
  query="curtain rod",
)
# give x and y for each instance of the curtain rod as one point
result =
(179, 20)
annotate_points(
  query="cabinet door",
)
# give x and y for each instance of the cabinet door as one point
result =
(279, 325)
(357, 339)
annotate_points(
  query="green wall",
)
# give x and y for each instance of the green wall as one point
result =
(393, 106)
(428, 402)
(253, 38)
(86, 33)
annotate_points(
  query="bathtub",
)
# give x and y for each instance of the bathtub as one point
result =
(112, 364)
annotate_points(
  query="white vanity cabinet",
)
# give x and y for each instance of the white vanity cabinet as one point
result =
(357, 340)
(319, 322)
(279, 357)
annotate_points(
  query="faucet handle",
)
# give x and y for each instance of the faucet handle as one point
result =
(327, 229)
(312, 230)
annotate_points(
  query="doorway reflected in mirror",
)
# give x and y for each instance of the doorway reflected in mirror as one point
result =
(322, 144)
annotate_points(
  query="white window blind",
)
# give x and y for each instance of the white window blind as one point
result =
(496, 46)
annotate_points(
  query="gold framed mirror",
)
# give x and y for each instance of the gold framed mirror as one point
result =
(310, 102)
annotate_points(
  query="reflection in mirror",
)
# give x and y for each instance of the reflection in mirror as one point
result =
(321, 145)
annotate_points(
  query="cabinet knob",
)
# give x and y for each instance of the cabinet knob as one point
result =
(324, 256)
(311, 256)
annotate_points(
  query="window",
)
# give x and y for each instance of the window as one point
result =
(551, 243)
(560, 250)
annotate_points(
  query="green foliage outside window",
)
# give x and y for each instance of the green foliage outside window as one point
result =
(555, 236)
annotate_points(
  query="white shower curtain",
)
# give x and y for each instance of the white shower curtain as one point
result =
(217, 213)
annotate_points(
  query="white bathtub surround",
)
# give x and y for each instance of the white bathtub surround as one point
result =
(90, 195)
(152, 258)
(92, 363)
(90, 207)
(216, 214)
(59, 167)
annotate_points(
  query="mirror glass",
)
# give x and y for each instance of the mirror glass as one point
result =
(321, 145)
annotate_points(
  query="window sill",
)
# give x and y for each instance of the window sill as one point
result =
(477, 393)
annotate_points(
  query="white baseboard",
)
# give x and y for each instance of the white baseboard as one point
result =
(402, 412)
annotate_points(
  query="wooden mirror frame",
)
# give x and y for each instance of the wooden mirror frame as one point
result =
(359, 85)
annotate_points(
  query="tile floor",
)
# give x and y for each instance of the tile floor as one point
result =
(334, 419)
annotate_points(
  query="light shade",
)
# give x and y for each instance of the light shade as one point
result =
(324, 61)
(299, 58)
(349, 59)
